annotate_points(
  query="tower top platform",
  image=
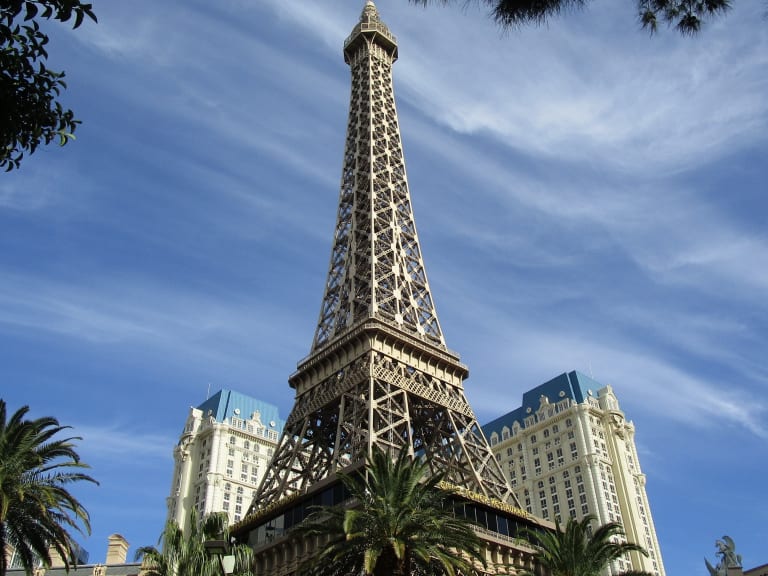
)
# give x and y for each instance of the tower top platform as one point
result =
(370, 26)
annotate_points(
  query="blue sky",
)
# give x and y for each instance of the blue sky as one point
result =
(587, 198)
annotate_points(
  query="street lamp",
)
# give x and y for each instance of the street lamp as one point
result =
(220, 549)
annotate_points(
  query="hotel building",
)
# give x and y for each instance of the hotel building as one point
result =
(569, 451)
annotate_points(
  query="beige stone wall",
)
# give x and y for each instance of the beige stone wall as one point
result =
(117, 549)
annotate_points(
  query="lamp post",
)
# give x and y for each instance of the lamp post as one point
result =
(220, 550)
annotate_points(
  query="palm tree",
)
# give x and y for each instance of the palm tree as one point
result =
(185, 555)
(398, 521)
(36, 509)
(580, 551)
(684, 15)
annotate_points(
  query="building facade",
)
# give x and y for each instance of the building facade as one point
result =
(569, 451)
(222, 455)
(757, 571)
(114, 565)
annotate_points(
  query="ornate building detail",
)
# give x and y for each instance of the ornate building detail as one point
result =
(221, 457)
(379, 373)
(570, 451)
(728, 558)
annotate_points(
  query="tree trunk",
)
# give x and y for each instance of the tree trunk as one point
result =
(390, 565)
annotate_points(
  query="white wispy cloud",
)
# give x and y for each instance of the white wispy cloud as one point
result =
(116, 442)
(639, 379)
(673, 233)
(513, 343)
(575, 92)
(24, 197)
(143, 315)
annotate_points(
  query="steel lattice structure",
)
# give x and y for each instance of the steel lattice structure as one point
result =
(376, 269)
(379, 373)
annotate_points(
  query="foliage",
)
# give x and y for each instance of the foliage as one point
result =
(580, 551)
(36, 508)
(185, 555)
(399, 521)
(687, 16)
(30, 112)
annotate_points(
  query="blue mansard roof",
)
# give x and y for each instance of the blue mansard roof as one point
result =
(573, 385)
(226, 404)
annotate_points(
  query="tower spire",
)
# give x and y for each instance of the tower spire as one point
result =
(379, 373)
(376, 268)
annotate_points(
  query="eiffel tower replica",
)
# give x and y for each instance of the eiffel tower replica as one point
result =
(379, 373)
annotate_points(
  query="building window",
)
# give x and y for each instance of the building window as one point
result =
(232, 440)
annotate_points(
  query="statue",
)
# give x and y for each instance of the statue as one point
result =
(726, 550)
